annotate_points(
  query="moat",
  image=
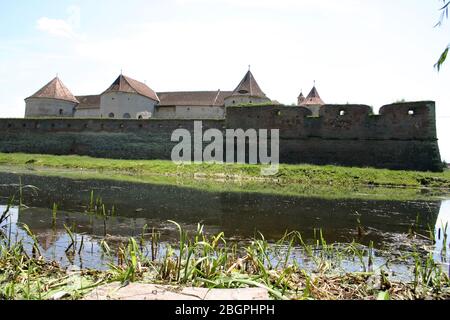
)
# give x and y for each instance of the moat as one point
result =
(141, 208)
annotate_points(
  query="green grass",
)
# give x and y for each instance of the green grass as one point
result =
(304, 174)
(294, 180)
(199, 260)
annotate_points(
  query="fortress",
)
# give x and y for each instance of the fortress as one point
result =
(131, 121)
(127, 98)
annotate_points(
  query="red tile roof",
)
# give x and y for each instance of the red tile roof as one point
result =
(301, 98)
(55, 89)
(193, 98)
(249, 87)
(126, 84)
(313, 98)
(89, 102)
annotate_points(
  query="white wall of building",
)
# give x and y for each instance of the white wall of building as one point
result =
(87, 113)
(238, 100)
(190, 112)
(43, 107)
(165, 112)
(200, 112)
(122, 104)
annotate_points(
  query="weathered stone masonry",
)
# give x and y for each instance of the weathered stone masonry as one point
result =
(402, 136)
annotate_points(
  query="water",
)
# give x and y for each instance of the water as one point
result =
(240, 215)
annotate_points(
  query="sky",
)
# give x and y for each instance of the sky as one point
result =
(371, 52)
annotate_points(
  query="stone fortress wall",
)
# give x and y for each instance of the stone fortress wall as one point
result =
(401, 136)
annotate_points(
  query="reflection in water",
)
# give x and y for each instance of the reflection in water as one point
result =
(443, 235)
(239, 215)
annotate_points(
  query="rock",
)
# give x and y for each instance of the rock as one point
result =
(136, 291)
(59, 295)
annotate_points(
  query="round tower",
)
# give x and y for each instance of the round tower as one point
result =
(53, 100)
(313, 102)
(247, 92)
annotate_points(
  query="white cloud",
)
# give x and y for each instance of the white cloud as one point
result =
(62, 28)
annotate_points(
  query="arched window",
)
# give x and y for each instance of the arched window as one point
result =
(111, 115)
(126, 116)
(140, 117)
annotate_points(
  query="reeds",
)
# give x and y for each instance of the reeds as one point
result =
(290, 268)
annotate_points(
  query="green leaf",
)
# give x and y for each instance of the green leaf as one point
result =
(442, 59)
(384, 295)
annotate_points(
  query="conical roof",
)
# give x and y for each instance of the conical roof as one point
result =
(126, 84)
(55, 89)
(249, 87)
(313, 98)
(301, 98)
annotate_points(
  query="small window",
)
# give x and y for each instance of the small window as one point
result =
(140, 117)
(127, 116)
(411, 112)
(342, 113)
(243, 91)
(61, 111)
(24, 125)
(111, 115)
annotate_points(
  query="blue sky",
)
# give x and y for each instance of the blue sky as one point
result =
(372, 52)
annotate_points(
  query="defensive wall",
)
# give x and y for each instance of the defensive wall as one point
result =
(401, 136)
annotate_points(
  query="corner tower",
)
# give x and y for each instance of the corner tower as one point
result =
(247, 92)
(53, 100)
(313, 101)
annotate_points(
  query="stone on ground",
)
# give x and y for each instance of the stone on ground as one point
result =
(136, 291)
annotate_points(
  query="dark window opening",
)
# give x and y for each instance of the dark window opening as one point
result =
(111, 115)
(127, 116)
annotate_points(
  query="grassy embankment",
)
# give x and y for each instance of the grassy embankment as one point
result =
(309, 180)
(304, 175)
